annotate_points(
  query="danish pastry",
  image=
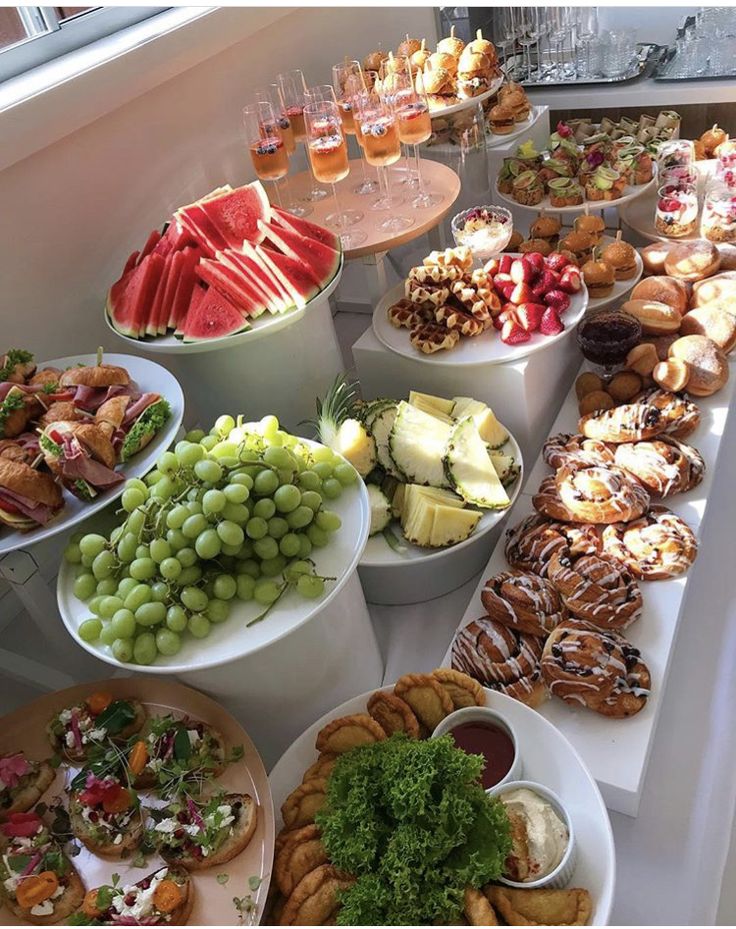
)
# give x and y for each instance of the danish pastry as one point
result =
(600, 493)
(656, 546)
(680, 416)
(664, 466)
(524, 601)
(547, 501)
(600, 670)
(631, 422)
(432, 337)
(500, 658)
(563, 448)
(531, 544)
(601, 592)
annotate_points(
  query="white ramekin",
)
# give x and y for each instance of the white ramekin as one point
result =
(484, 714)
(562, 874)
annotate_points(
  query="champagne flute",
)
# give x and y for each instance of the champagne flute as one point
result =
(382, 148)
(392, 75)
(415, 126)
(357, 83)
(292, 86)
(328, 155)
(267, 149)
(272, 94)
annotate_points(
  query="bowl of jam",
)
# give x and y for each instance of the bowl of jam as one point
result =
(479, 730)
(606, 337)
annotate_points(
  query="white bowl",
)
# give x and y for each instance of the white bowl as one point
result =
(484, 714)
(562, 875)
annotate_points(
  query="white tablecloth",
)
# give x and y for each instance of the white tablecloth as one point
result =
(670, 859)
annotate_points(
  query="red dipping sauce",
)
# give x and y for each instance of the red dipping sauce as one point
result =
(479, 738)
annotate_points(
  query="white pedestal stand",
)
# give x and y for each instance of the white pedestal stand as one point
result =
(518, 392)
(279, 691)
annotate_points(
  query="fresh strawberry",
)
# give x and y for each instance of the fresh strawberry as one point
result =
(492, 266)
(669, 205)
(550, 279)
(556, 261)
(551, 323)
(530, 315)
(513, 332)
(508, 311)
(557, 299)
(522, 293)
(504, 263)
(570, 280)
(506, 289)
(521, 271)
(536, 260)
(502, 278)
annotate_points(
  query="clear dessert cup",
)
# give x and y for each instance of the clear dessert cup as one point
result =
(676, 211)
(485, 230)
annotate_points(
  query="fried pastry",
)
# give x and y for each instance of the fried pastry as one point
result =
(524, 601)
(301, 853)
(541, 906)
(426, 696)
(477, 908)
(348, 732)
(458, 320)
(432, 337)
(314, 900)
(656, 546)
(599, 591)
(303, 802)
(531, 544)
(322, 767)
(393, 714)
(464, 691)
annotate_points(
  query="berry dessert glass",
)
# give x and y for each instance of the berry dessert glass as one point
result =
(675, 152)
(681, 177)
(676, 212)
(718, 223)
(486, 230)
(606, 337)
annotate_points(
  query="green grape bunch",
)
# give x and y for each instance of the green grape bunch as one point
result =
(231, 515)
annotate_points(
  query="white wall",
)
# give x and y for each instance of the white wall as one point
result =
(656, 24)
(72, 212)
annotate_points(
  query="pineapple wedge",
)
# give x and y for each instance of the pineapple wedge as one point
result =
(417, 522)
(505, 466)
(469, 468)
(380, 423)
(417, 444)
(442, 497)
(428, 403)
(380, 509)
(491, 431)
(355, 443)
(452, 525)
(397, 501)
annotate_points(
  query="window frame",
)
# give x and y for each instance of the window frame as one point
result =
(64, 36)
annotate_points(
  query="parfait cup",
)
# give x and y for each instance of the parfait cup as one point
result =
(272, 94)
(328, 155)
(266, 147)
(292, 86)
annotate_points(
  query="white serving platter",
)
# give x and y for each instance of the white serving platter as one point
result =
(632, 191)
(620, 288)
(149, 376)
(468, 102)
(420, 574)
(266, 324)
(548, 758)
(495, 139)
(233, 639)
(486, 348)
(617, 750)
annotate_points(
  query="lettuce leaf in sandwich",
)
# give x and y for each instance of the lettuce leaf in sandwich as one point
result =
(145, 428)
(13, 401)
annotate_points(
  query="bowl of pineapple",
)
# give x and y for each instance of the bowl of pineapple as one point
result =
(441, 474)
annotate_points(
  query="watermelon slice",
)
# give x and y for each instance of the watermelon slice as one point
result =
(151, 242)
(294, 275)
(323, 261)
(212, 317)
(234, 285)
(152, 322)
(174, 239)
(130, 298)
(198, 295)
(130, 263)
(250, 255)
(261, 279)
(184, 287)
(237, 214)
(305, 228)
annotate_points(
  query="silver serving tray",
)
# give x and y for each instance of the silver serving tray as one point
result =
(647, 56)
(668, 63)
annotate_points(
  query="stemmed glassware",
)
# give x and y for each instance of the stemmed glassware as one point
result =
(293, 85)
(415, 126)
(267, 149)
(530, 32)
(328, 154)
(378, 125)
(348, 79)
(392, 75)
(272, 94)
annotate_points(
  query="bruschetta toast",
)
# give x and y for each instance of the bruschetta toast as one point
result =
(77, 731)
(177, 747)
(163, 898)
(22, 783)
(105, 815)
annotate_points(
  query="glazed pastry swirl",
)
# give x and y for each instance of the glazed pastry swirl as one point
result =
(631, 422)
(599, 670)
(664, 466)
(547, 501)
(531, 544)
(680, 416)
(563, 448)
(601, 592)
(523, 601)
(600, 493)
(656, 546)
(500, 658)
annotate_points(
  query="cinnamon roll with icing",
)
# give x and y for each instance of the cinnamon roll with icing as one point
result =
(681, 416)
(665, 466)
(600, 493)
(630, 422)
(500, 658)
(531, 544)
(547, 501)
(601, 592)
(654, 547)
(598, 670)
(564, 447)
(524, 601)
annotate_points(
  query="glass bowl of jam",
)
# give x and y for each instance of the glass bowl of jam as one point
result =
(606, 337)
(479, 730)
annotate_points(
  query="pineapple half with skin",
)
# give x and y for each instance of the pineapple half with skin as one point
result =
(340, 429)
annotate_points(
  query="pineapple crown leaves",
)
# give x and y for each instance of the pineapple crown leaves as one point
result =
(341, 402)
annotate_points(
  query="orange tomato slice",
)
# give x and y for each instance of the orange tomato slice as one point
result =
(36, 888)
(89, 907)
(117, 801)
(138, 758)
(98, 702)
(167, 896)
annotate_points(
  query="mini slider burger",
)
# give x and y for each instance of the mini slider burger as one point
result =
(28, 498)
(451, 44)
(473, 73)
(81, 456)
(599, 278)
(579, 244)
(622, 258)
(440, 86)
(501, 119)
(590, 223)
(545, 227)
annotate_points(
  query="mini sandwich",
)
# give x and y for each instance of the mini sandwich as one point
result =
(16, 366)
(451, 44)
(28, 498)
(442, 60)
(599, 278)
(81, 456)
(482, 46)
(501, 120)
(590, 223)
(622, 258)
(89, 386)
(579, 244)
(18, 406)
(131, 424)
(519, 103)
(473, 73)
(441, 88)
(545, 227)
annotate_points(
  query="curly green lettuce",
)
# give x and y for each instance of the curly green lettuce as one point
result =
(146, 426)
(410, 820)
(13, 357)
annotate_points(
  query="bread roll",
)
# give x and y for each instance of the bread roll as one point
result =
(692, 261)
(655, 318)
(708, 364)
(720, 289)
(713, 322)
(663, 290)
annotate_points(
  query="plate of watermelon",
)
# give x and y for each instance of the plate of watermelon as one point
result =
(227, 268)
